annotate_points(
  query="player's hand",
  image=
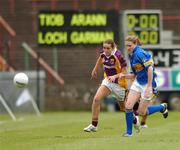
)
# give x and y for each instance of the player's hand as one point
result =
(94, 74)
(112, 78)
(122, 75)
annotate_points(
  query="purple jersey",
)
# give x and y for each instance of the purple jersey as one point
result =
(113, 64)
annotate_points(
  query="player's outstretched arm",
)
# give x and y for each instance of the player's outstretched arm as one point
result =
(127, 75)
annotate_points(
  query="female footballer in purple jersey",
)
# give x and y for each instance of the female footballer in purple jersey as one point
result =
(144, 85)
(113, 63)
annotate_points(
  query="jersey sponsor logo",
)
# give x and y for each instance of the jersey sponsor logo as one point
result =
(138, 67)
(112, 61)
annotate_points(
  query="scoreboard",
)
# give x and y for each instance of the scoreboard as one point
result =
(146, 24)
(71, 28)
(166, 57)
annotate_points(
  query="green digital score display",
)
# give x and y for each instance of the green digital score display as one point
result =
(70, 28)
(145, 24)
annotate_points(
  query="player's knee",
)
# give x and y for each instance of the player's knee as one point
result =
(141, 112)
(96, 101)
(128, 105)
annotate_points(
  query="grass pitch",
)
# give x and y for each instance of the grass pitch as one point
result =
(64, 131)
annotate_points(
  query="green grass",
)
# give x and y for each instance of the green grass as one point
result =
(64, 131)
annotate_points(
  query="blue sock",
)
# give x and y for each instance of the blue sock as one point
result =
(154, 108)
(129, 121)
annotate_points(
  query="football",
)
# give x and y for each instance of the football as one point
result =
(20, 80)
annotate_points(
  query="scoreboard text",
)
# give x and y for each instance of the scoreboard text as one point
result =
(146, 24)
(70, 28)
(166, 58)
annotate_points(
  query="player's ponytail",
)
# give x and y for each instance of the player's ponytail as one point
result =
(134, 39)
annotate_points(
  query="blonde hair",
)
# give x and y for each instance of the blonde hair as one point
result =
(134, 39)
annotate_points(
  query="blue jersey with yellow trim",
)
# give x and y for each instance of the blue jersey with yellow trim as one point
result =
(140, 61)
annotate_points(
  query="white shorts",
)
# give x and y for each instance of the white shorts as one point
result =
(141, 89)
(116, 89)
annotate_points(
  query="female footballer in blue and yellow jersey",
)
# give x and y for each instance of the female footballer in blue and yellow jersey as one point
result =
(113, 64)
(140, 61)
(144, 85)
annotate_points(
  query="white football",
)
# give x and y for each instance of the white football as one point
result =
(21, 80)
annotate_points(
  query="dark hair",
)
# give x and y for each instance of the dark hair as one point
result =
(134, 39)
(111, 42)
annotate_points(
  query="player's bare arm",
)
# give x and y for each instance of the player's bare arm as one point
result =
(148, 90)
(127, 75)
(94, 71)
